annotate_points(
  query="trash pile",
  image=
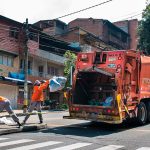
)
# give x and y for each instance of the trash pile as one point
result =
(107, 102)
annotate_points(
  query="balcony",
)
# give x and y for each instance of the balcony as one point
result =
(118, 42)
(50, 56)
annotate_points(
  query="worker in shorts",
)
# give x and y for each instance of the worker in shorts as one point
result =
(36, 99)
(5, 105)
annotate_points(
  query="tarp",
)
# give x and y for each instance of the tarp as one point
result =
(17, 81)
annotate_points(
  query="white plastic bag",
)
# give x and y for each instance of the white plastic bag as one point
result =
(4, 120)
(57, 83)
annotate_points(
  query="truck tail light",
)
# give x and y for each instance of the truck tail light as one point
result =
(84, 57)
(76, 109)
(109, 111)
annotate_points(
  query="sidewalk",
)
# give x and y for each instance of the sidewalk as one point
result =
(7, 129)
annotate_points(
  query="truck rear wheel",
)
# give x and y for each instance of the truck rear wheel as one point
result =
(142, 114)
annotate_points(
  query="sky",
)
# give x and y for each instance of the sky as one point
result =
(36, 10)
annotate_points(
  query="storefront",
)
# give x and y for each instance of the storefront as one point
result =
(13, 90)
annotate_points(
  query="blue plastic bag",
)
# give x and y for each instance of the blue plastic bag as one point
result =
(108, 101)
(57, 83)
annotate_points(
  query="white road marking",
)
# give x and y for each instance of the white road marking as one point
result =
(3, 139)
(72, 146)
(15, 142)
(110, 147)
(144, 148)
(37, 145)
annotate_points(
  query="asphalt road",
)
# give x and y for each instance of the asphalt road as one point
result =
(63, 134)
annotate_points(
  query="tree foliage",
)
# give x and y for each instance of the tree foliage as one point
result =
(70, 61)
(144, 30)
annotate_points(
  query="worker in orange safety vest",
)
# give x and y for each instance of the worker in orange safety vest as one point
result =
(36, 99)
(5, 104)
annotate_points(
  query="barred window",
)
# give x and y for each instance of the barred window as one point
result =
(6, 60)
(53, 71)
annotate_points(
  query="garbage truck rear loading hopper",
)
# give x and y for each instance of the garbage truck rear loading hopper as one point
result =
(110, 86)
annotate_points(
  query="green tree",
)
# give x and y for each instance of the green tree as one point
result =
(70, 61)
(144, 30)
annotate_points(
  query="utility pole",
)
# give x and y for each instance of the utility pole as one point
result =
(26, 68)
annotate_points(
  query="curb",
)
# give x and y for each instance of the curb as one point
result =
(34, 127)
(9, 131)
(26, 128)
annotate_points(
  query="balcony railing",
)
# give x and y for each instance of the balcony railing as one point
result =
(117, 41)
(36, 73)
(50, 57)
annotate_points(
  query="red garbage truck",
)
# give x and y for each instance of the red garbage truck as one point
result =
(110, 86)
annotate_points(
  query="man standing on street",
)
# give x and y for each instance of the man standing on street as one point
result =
(36, 99)
(5, 104)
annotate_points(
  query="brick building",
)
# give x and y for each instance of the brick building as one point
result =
(52, 27)
(130, 27)
(44, 61)
(95, 33)
(105, 30)
(86, 40)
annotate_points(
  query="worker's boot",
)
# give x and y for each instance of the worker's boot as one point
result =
(19, 124)
(40, 118)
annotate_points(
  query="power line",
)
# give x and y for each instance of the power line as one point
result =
(131, 16)
(84, 9)
(127, 15)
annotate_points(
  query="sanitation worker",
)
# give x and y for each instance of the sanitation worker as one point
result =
(36, 99)
(5, 104)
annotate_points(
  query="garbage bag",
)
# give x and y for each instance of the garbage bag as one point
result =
(57, 83)
(108, 101)
(4, 120)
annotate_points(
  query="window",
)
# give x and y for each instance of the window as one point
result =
(6, 60)
(14, 32)
(52, 71)
(41, 70)
(22, 66)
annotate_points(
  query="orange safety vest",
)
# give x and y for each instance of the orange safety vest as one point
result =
(2, 98)
(38, 92)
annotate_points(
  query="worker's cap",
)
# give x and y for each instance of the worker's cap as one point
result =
(42, 81)
(37, 82)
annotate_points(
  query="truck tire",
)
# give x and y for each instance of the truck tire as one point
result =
(148, 111)
(142, 113)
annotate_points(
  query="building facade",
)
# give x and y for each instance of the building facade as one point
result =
(45, 59)
(130, 27)
(104, 30)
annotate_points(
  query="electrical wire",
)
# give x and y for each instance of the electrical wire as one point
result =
(84, 9)
(134, 16)
(130, 17)
(127, 15)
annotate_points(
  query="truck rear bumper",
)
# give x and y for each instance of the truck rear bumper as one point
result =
(116, 120)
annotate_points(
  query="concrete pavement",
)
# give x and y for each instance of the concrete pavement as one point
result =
(7, 129)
